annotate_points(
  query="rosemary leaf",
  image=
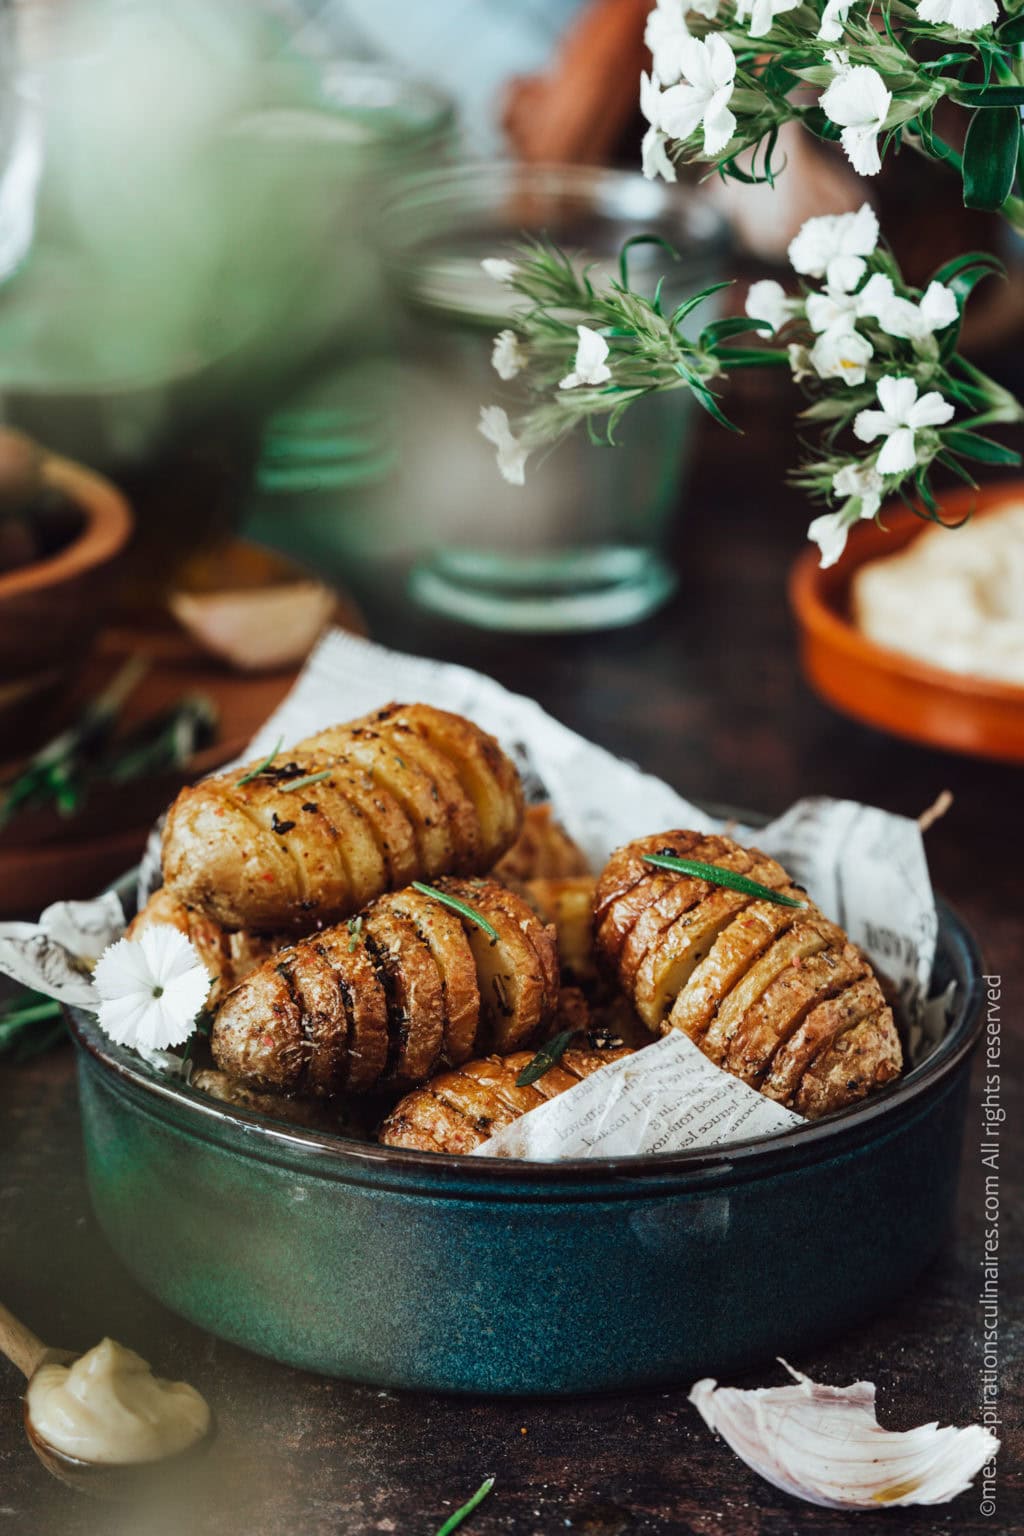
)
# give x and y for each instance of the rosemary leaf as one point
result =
(306, 780)
(717, 876)
(254, 773)
(461, 907)
(355, 928)
(467, 1508)
(547, 1057)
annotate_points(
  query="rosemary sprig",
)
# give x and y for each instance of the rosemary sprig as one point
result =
(261, 767)
(355, 928)
(467, 1509)
(547, 1057)
(306, 781)
(461, 907)
(715, 875)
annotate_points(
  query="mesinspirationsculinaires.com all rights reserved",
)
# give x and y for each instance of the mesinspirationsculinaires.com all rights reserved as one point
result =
(993, 1114)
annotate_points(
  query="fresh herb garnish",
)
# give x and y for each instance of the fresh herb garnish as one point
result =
(261, 767)
(355, 928)
(714, 875)
(20, 1033)
(306, 780)
(467, 1508)
(461, 907)
(547, 1057)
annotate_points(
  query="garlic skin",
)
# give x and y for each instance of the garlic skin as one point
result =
(825, 1444)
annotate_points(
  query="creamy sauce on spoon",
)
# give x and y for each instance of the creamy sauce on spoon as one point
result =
(107, 1406)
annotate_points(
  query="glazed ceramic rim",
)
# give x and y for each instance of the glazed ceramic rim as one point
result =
(750, 1156)
(820, 617)
(107, 527)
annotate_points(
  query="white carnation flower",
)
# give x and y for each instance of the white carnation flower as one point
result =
(654, 156)
(863, 481)
(858, 101)
(507, 355)
(833, 20)
(150, 988)
(863, 487)
(902, 415)
(822, 240)
(664, 34)
(709, 72)
(762, 13)
(768, 300)
(842, 353)
(512, 456)
(903, 318)
(962, 15)
(590, 366)
(829, 532)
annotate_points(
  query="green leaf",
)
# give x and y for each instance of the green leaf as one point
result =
(990, 157)
(735, 325)
(1012, 31)
(987, 96)
(641, 240)
(547, 1057)
(715, 875)
(972, 445)
(455, 1520)
(682, 310)
(254, 773)
(821, 126)
(710, 404)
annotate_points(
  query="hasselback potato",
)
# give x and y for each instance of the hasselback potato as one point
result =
(227, 956)
(775, 994)
(459, 1110)
(542, 851)
(316, 832)
(399, 990)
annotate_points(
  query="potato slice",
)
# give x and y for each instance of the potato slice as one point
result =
(324, 832)
(514, 985)
(626, 869)
(857, 1062)
(443, 933)
(672, 959)
(408, 783)
(460, 814)
(365, 1004)
(783, 1005)
(258, 1036)
(486, 774)
(541, 936)
(424, 1123)
(738, 945)
(568, 904)
(806, 937)
(825, 1022)
(322, 1018)
(412, 986)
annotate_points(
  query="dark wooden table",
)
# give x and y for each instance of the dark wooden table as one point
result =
(709, 696)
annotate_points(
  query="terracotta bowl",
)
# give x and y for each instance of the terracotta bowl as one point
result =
(884, 688)
(50, 610)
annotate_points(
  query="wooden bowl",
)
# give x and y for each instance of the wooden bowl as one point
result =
(51, 610)
(885, 688)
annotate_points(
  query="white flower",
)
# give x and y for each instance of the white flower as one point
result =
(838, 305)
(821, 240)
(501, 270)
(590, 366)
(862, 485)
(150, 988)
(800, 362)
(512, 455)
(901, 416)
(507, 356)
(654, 156)
(709, 72)
(833, 20)
(859, 102)
(963, 15)
(829, 532)
(841, 353)
(902, 317)
(665, 31)
(763, 13)
(768, 300)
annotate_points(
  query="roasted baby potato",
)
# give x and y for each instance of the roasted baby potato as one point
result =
(228, 957)
(311, 1114)
(403, 988)
(458, 1111)
(775, 994)
(542, 851)
(408, 793)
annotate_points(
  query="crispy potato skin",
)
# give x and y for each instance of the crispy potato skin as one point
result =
(407, 793)
(542, 851)
(458, 1111)
(228, 957)
(309, 1113)
(775, 995)
(406, 987)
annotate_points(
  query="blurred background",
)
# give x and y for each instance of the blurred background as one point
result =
(245, 337)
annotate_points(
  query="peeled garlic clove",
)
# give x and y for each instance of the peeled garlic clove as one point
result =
(825, 1444)
(259, 629)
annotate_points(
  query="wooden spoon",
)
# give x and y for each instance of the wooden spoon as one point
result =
(105, 1480)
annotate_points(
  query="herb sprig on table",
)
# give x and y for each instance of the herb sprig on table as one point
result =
(457, 1518)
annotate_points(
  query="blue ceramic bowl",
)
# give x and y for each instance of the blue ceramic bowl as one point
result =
(464, 1274)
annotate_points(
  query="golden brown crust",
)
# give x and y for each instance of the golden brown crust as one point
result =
(443, 933)
(542, 851)
(774, 994)
(267, 855)
(412, 984)
(460, 1110)
(517, 973)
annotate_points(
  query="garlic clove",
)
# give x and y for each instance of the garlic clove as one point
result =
(259, 629)
(825, 1444)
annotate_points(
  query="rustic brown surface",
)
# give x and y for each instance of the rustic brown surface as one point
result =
(707, 695)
